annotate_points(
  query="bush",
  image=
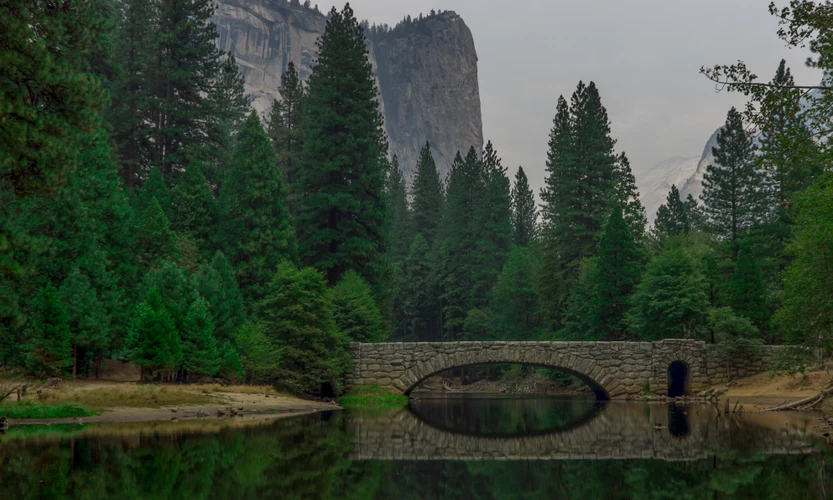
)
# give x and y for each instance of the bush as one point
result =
(33, 410)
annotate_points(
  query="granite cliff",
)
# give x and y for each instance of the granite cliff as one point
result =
(426, 71)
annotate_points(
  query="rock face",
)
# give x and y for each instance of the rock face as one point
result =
(694, 185)
(426, 71)
(655, 184)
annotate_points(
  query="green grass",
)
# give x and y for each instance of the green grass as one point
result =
(34, 410)
(363, 396)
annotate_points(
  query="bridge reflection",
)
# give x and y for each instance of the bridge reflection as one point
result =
(594, 432)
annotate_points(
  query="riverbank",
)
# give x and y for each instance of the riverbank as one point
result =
(130, 402)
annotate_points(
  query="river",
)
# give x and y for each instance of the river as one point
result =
(438, 447)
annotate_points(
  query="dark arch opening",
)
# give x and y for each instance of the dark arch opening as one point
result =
(599, 391)
(678, 380)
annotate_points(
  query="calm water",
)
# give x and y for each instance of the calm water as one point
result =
(438, 448)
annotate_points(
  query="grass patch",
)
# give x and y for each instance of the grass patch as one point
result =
(372, 395)
(128, 395)
(238, 389)
(34, 410)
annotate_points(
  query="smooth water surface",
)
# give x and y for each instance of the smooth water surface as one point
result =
(439, 447)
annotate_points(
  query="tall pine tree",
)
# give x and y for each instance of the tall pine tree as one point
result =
(619, 272)
(524, 211)
(342, 221)
(284, 128)
(427, 195)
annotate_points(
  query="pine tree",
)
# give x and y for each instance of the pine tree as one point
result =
(696, 215)
(524, 212)
(259, 357)
(193, 207)
(297, 314)
(49, 337)
(421, 307)
(199, 347)
(229, 107)
(153, 339)
(730, 186)
(400, 222)
(619, 273)
(342, 221)
(746, 288)
(256, 229)
(86, 316)
(355, 311)
(672, 217)
(284, 129)
(231, 366)
(671, 300)
(515, 302)
(626, 196)
(217, 284)
(50, 95)
(155, 187)
(132, 91)
(427, 195)
(176, 292)
(186, 66)
(581, 311)
(155, 241)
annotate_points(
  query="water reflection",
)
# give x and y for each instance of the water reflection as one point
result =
(429, 451)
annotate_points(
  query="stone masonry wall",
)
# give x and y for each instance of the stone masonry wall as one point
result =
(611, 369)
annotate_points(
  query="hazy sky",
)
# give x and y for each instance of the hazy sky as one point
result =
(644, 56)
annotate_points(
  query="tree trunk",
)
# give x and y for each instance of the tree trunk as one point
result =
(74, 359)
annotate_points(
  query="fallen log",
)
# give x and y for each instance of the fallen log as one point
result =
(803, 403)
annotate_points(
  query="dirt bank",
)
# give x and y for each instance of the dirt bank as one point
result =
(129, 402)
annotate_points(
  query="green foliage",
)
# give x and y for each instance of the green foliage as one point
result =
(86, 317)
(284, 129)
(478, 325)
(747, 295)
(297, 315)
(671, 300)
(421, 306)
(363, 396)
(807, 312)
(524, 211)
(155, 187)
(153, 339)
(256, 225)
(49, 349)
(259, 355)
(50, 94)
(342, 221)
(355, 311)
(199, 347)
(582, 309)
(231, 366)
(427, 196)
(193, 207)
(625, 195)
(24, 410)
(619, 272)
(730, 329)
(515, 305)
(216, 283)
(400, 221)
(672, 217)
(155, 242)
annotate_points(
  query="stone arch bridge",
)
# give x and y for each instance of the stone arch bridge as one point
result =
(613, 370)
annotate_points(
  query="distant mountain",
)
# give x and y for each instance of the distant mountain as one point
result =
(655, 184)
(694, 185)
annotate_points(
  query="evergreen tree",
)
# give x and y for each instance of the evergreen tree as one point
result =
(155, 241)
(256, 228)
(187, 64)
(400, 221)
(747, 294)
(177, 293)
(494, 224)
(696, 215)
(229, 107)
(581, 312)
(49, 337)
(626, 196)
(341, 224)
(231, 366)
(355, 311)
(86, 316)
(297, 313)
(217, 284)
(284, 129)
(524, 212)
(671, 300)
(50, 95)
(515, 308)
(153, 339)
(730, 186)
(199, 347)
(421, 308)
(427, 195)
(131, 113)
(619, 272)
(259, 357)
(672, 217)
(193, 207)
(155, 187)
(478, 325)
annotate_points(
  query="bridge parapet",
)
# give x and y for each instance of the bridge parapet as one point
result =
(611, 369)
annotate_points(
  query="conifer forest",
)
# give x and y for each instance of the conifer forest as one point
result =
(148, 213)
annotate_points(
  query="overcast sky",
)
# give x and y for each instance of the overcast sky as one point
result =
(644, 56)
